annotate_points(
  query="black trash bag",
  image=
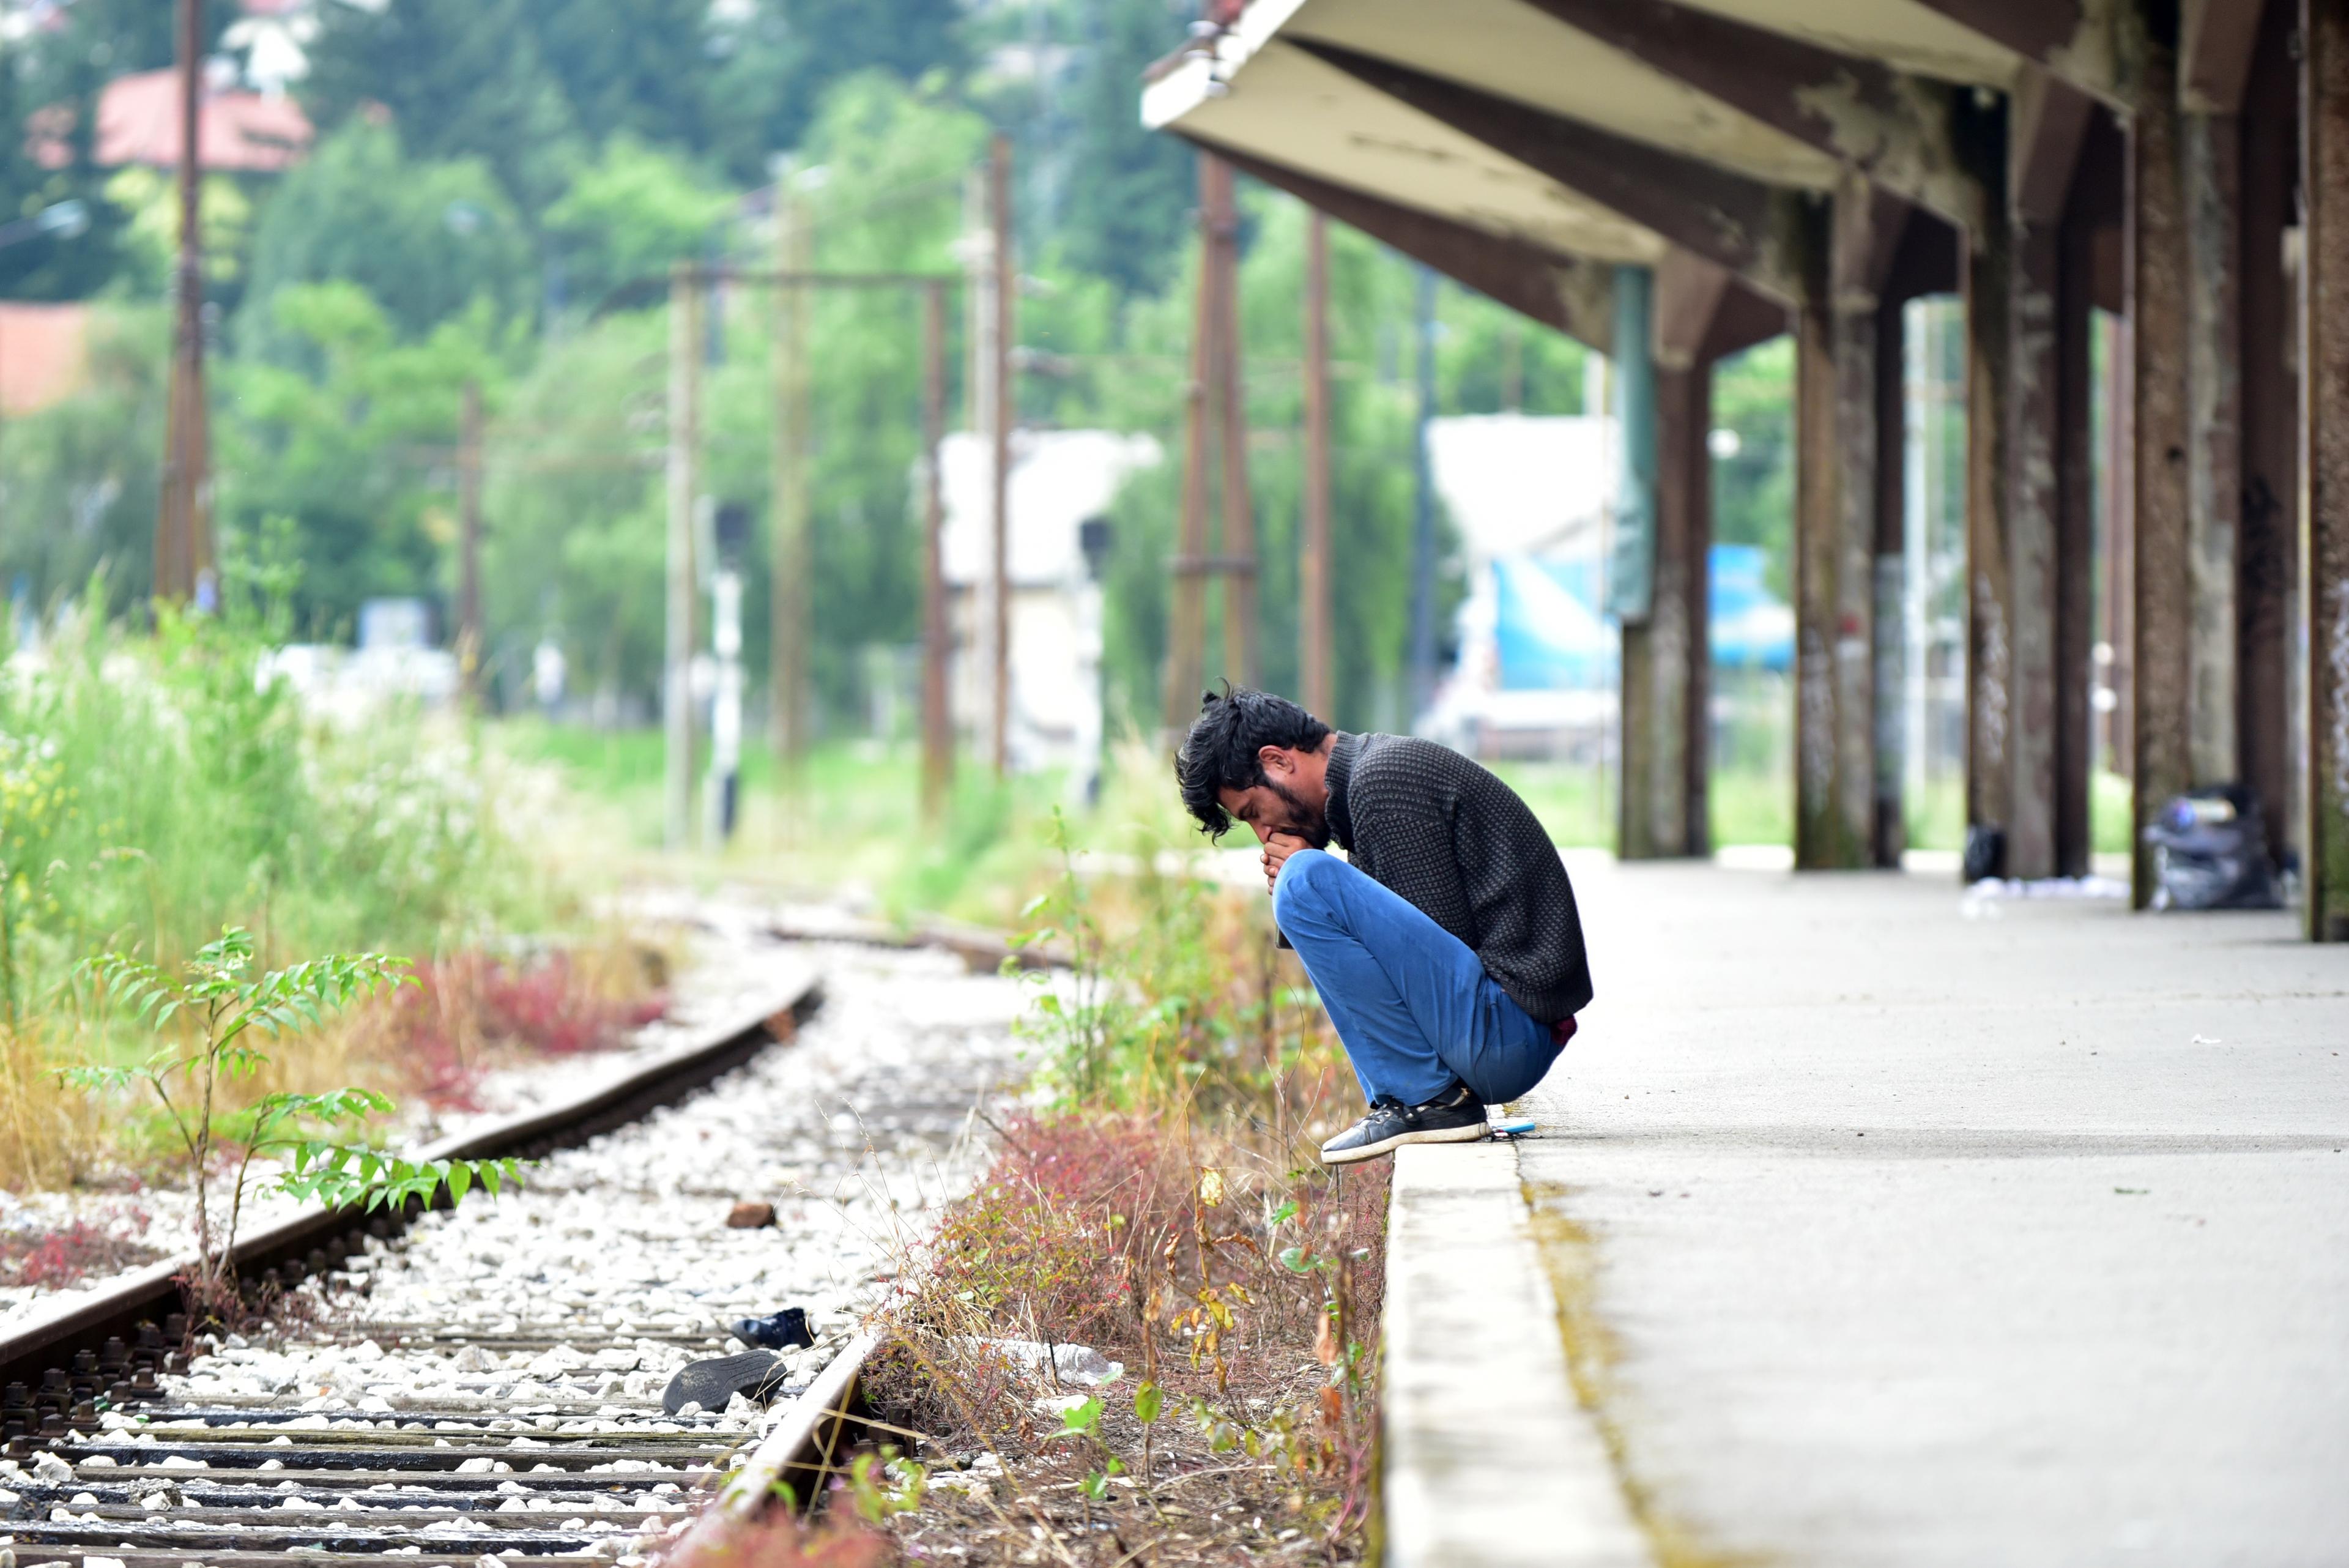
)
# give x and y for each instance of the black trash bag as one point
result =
(2210, 852)
(1985, 852)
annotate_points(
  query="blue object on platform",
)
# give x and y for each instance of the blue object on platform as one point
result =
(1752, 627)
(1548, 637)
(1524, 1124)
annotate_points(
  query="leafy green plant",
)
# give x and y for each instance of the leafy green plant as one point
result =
(886, 1484)
(212, 1013)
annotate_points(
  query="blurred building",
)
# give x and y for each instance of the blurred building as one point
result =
(1062, 484)
(43, 356)
(240, 131)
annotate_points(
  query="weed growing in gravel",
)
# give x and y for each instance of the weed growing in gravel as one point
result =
(1164, 1210)
(215, 1008)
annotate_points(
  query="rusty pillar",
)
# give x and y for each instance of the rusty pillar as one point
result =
(1890, 836)
(1822, 838)
(2120, 549)
(2033, 508)
(1662, 803)
(1989, 268)
(2267, 539)
(1684, 443)
(2324, 459)
(2075, 547)
(1836, 486)
(2210, 173)
(2156, 269)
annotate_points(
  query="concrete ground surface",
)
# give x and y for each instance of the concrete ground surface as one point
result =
(1894, 1227)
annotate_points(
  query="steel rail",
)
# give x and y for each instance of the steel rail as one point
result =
(304, 1243)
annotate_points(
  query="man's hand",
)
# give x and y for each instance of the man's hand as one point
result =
(1277, 851)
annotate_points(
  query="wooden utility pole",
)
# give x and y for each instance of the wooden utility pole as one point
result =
(791, 601)
(1314, 563)
(684, 480)
(183, 564)
(1218, 419)
(1239, 563)
(1186, 625)
(469, 542)
(998, 212)
(937, 724)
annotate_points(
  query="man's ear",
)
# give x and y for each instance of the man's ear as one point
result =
(1275, 759)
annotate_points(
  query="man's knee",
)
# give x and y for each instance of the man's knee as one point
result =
(1305, 883)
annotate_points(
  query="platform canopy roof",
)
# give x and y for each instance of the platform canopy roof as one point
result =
(1528, 147)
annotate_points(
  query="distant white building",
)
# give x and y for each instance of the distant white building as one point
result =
(1059, 481)
(1529, 496)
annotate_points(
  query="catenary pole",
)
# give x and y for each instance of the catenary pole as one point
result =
(1237, 565)
(1314, 564)
(1186, 625)
(937, 724)
(182, 525)
(469, 651)
(1422, 521)
(792, 600)
(1005, 415)
(684, 438)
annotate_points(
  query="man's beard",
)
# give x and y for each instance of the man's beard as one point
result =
(1310, 822)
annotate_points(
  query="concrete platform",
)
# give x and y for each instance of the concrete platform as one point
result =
(1883, 1226)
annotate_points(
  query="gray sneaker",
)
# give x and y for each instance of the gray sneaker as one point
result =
(1456, 1116)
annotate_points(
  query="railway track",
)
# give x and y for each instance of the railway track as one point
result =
(449, 1387)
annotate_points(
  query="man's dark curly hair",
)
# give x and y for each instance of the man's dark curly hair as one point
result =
(1220, 751)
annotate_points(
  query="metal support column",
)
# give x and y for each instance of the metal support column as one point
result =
(684, 480)
(2156, 269)
(2268, 565)
(2210, 173)
(2035, 454)
(1990, 721)
(1890, 836)
(1835, 490)
(1663, 804)
(2324, 459)
(2075, 547)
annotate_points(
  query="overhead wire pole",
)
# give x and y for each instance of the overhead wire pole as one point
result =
(1238, 564)
(1005, 415)
(1422, 522)
(468, 545)
(684, 440)
(1313, 567)
(937, 731)
(183, 568)
(791, 600)
(1186, 625)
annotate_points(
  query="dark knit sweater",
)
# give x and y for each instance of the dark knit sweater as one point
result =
(1457, 843)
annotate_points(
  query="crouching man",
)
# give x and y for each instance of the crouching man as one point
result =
(1448, 953)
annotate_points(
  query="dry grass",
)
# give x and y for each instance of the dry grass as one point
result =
(469, 1013)
(1240, 1283)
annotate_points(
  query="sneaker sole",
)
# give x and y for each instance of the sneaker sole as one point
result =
(1482, 1132)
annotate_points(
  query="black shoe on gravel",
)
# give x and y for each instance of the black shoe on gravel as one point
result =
(1456, 1116)
(785, 1330)
(756, 1374)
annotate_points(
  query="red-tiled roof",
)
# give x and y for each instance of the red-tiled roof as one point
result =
(44, 355)
(139, 122)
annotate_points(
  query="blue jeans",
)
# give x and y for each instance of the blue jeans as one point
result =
(1412, 1004)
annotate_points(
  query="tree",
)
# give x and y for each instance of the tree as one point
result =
(777, 64)
(426, 241)
(1130, 191)
(355, 452)
(628, 215)
(460, 80)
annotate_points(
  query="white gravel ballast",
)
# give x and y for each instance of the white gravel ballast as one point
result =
(490, 1381)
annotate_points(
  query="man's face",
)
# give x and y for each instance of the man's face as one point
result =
(1277, 806)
